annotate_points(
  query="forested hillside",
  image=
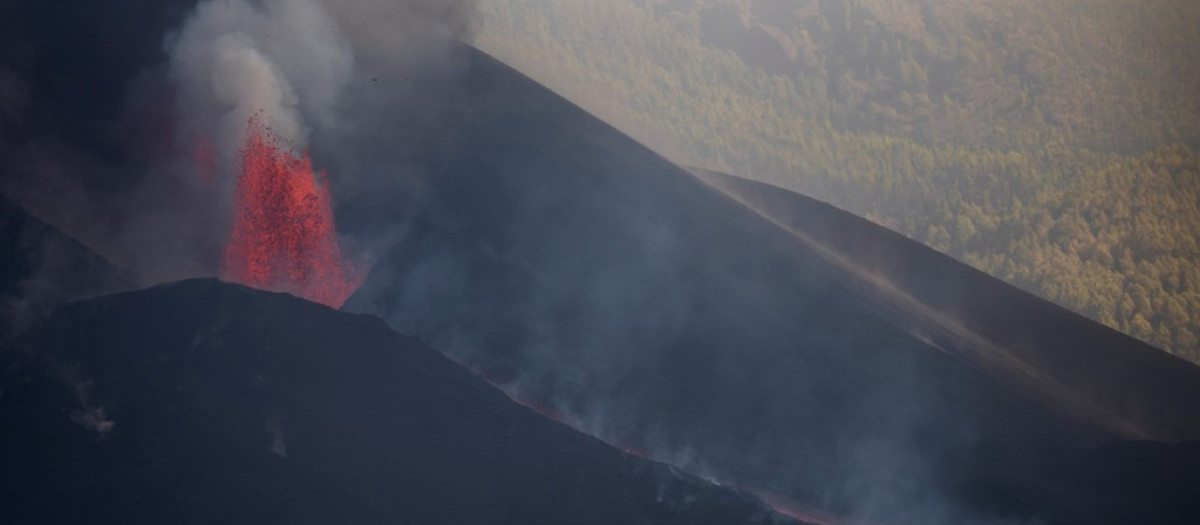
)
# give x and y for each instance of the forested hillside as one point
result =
(1053, 144)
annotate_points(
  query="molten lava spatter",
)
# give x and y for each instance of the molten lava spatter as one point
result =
(283, 236)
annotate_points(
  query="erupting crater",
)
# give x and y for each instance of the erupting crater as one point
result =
(283, 236)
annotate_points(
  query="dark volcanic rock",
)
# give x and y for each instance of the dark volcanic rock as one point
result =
(201, 402)
(41, 267)
(1155, 392)
(1129, 482)
(560, 257)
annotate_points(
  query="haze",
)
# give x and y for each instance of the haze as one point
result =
(1051, 144)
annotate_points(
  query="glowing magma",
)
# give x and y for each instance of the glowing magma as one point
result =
(283, 236)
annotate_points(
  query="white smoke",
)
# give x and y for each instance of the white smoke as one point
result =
(349, 81)
(283, 58)
(295, 60)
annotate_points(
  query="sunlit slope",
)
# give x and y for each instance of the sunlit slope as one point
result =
(990, 322)
(1050, 144)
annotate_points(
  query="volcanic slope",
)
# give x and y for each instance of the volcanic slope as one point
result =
(576, 267)
(989, 321)
(203, 402)
(42, 267)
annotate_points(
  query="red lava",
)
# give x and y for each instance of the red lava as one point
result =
(283, 236)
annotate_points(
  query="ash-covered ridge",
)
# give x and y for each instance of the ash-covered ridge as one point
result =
(204, 402)
(42, 267)
(669, 314)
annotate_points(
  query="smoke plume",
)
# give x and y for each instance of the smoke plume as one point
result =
(283, 58)
(124, 127)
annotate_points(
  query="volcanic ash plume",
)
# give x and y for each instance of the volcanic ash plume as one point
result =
(141, 160)
(257, 79)
(282, 61)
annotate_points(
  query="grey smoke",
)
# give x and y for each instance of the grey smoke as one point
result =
(148, 84)
(275, 430)
(294, 61)
(283, 58)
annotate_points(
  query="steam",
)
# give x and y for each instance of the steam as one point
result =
(296, 60)
(283, 58)
(310, 72)
(275, 431)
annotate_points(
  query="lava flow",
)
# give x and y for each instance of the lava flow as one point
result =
(283, 236)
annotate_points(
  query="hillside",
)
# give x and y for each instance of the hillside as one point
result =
(715, 337)
(1096, 362)
(585, 273)
(1051, 145)
(202, 402)
(42, 268)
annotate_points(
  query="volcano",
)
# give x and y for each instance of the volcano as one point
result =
(43, 267)
(740, 330)
(714, 339)
(200, 402)
(283, 236)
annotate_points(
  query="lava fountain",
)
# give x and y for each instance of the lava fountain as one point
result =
(283, 236)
